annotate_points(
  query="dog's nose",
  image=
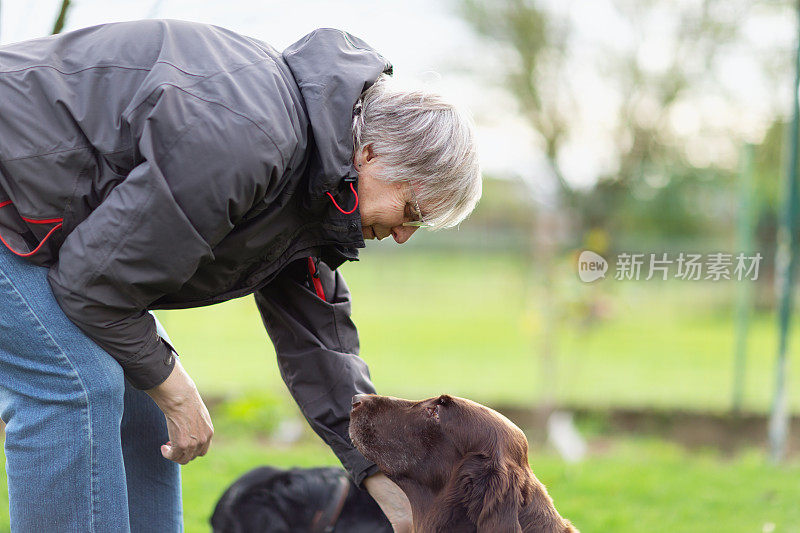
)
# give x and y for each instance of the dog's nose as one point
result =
(358, 398)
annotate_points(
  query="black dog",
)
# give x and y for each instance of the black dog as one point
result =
(269, 500)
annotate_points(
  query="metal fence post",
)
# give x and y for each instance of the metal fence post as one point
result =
(785, 260)
(744, 301)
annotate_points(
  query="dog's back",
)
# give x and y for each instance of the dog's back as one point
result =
(270, 500)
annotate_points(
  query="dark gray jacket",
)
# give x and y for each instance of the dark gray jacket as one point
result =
(166, 164)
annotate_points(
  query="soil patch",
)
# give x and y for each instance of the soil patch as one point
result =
(726, 432)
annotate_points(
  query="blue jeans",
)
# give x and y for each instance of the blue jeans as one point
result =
(82, 446)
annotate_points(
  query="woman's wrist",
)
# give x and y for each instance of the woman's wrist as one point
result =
(392, 501)
(175, 391)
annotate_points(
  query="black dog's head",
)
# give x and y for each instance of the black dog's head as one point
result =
(271, 500)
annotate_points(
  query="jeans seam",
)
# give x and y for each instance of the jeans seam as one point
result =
(83, 389)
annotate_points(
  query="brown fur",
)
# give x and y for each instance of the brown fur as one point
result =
(463, 466)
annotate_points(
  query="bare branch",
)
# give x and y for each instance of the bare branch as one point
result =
(62, 17)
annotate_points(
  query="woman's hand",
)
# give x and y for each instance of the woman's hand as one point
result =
(188, 421)
(392, 501)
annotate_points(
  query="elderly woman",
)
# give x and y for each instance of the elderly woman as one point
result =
(162, 165)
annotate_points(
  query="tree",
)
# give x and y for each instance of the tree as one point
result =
(661, 62)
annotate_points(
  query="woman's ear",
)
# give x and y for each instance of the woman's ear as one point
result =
(364, 156)
(369, 154)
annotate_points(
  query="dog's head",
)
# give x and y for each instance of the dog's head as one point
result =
(471, 459)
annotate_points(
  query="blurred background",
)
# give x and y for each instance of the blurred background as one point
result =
(616, 126)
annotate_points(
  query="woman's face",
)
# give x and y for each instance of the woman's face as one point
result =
(383, 206)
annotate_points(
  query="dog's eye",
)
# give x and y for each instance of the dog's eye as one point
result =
(444, 399)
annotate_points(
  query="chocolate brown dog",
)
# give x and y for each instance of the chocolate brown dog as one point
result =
(463, 466)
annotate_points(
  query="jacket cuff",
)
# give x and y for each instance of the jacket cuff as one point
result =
(152, 367)
(366, 473)
(358, 467)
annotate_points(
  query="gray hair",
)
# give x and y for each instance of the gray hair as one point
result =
(420, 138)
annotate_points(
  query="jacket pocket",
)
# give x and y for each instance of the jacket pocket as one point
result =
(35, 239)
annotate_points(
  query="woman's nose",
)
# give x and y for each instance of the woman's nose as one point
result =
(402, 233)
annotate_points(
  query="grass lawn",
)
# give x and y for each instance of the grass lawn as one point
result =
(464, 325)
(475, 327)
(624, 486)
(629, 486)
(644, 485)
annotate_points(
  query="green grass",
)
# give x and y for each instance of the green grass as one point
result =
(475, 326)
(630, 485)
(644, 485)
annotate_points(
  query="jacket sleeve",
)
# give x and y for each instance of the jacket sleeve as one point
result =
(317, 347)
(201, 171)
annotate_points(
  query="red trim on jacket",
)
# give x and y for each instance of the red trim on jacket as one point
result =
(35, 249)
(312, 269)
(42, 220)
(59, 222)
(337, 205)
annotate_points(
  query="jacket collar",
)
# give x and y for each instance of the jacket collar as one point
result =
(332, 68)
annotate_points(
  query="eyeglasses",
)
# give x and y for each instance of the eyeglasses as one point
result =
(420, 222)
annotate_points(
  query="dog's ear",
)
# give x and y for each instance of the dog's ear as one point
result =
(488, 488)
